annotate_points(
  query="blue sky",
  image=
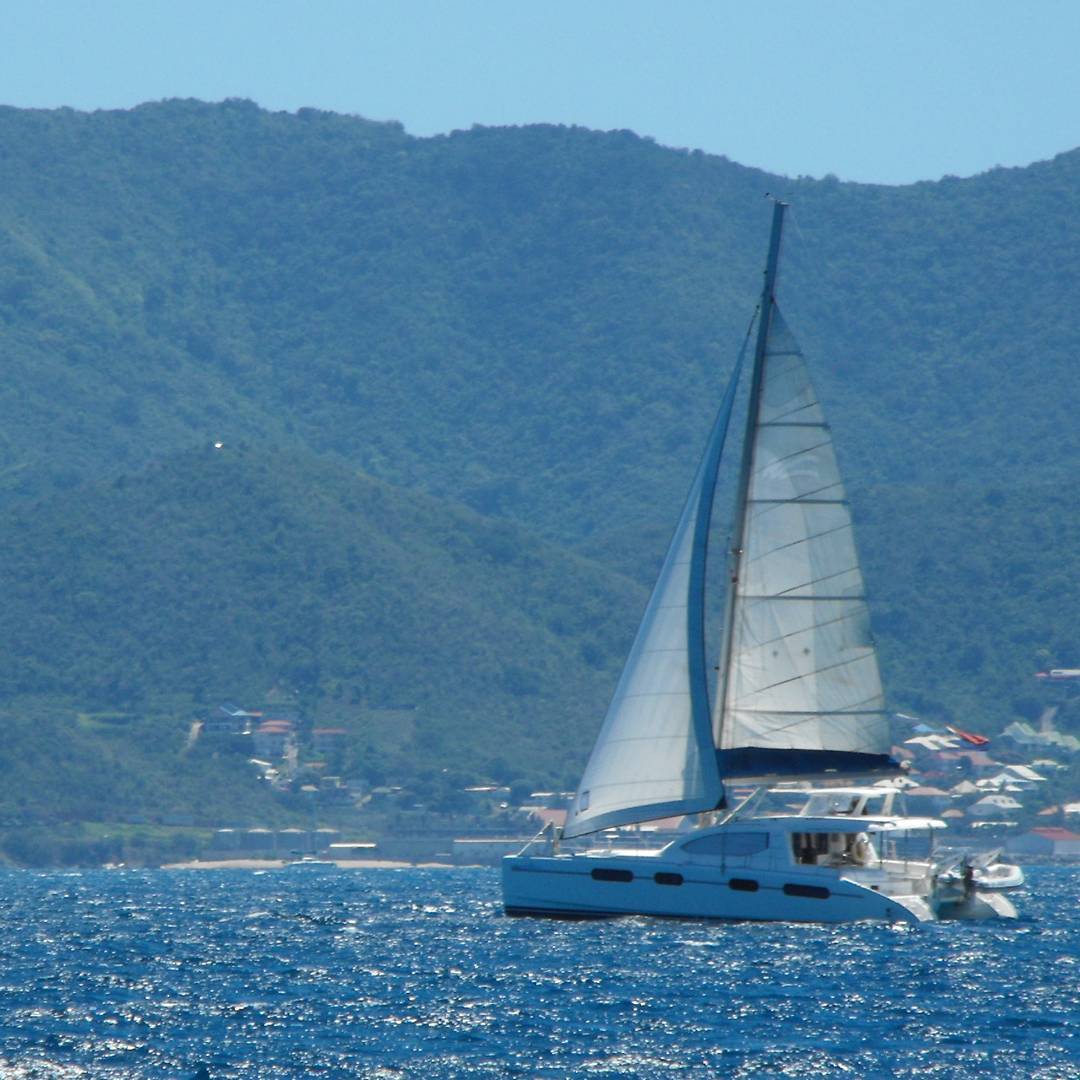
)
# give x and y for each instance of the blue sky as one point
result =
(887, 91)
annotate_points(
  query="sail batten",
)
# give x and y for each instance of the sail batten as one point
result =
(802, 671)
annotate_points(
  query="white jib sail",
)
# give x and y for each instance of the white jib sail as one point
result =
(647, 753)
(654, 756)
(803, 670)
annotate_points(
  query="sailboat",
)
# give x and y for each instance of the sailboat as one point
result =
(798, 701)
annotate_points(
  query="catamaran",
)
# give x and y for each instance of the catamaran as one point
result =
(798, 701)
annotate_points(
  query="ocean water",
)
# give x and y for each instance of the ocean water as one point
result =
(401, 973)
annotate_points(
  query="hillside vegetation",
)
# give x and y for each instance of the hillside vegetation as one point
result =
(461, 384)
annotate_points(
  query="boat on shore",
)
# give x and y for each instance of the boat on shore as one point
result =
(310, 864)
(798, 700)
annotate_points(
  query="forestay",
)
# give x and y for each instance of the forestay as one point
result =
(802, 669)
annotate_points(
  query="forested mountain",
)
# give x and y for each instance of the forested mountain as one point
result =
(470, 375)
(134, 604)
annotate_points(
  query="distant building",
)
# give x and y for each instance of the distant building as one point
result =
(544, 817)
(1026, 737)
(228, 720)
(272, 738)
(926, 800)
(1047, 840)
(994, 805)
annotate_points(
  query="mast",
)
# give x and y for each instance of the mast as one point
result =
(746, 468)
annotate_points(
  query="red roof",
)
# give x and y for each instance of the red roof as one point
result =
(968, 736)
(1055, 832)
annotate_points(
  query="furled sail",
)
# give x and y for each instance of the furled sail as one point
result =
(801, 692)
(655, 756)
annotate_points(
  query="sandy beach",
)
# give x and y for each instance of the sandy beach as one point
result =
(277, 864)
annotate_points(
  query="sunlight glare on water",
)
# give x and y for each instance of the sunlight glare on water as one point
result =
(376, 973)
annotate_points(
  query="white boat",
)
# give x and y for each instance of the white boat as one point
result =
(798, 698)
(999, 875)
(988, 872)
(310, 864)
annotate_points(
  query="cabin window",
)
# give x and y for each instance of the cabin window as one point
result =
(809, 848)
(742, 884)
(662, 877)
(815, 892)
(605, 873)
(833, 849)
(728, 844)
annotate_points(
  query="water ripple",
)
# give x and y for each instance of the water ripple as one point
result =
(416, 973)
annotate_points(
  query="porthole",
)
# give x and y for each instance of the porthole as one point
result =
(605, 873)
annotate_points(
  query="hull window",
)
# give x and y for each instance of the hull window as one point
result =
(742, 884)
(663, 878)
(604, 873)
(815, 892)
(742, 843)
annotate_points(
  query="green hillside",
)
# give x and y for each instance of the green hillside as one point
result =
(509, 317)
(225, 574)
(461, 384)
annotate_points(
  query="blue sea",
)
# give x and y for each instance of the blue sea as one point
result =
(401, 973)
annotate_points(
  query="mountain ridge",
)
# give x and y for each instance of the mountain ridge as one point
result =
(522, 332)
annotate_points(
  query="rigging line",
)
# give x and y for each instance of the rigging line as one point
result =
(812, 598)
(822, 714)
(784, 422)
(784, 363)
(815, 581)
(813, 674)
(800, 718)
(782, 366)
(802, 540)
(799, 408)
(855, 710)
(793, 454)
(802, 496)
(764, 507)
(801, 501)
(822, 717)
(850, 614)
(805, 499)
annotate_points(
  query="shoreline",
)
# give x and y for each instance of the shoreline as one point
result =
(338, 864)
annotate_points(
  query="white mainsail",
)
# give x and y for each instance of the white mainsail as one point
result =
(801, 668)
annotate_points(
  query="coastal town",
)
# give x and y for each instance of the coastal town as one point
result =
(1001, 792)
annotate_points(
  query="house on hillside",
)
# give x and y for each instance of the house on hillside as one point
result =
(972, 763)
(228, 720)
(926, 800)
(1046, 840)
(1025, 737)
(995, 806)
(1025, 775)
(272, 738)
